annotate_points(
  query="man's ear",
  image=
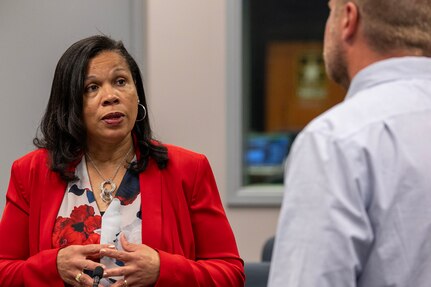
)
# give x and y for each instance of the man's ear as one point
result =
(350, 20)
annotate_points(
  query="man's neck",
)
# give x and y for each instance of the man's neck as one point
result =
(362, 55)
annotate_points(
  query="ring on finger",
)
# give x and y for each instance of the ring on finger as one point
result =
(125, 283)
(78, 277)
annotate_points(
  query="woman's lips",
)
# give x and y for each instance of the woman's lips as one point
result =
(113, 118)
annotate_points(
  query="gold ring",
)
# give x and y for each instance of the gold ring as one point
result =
(78, 277)
(125, 283)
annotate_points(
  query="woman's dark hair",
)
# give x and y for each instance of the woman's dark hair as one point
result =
(62, 127)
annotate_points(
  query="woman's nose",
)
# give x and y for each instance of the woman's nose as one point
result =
(110, 97)
(111, 100)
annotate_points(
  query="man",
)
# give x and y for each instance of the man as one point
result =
(357, 205)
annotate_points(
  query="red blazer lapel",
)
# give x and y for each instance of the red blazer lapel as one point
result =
(52, 193)
(150, 182)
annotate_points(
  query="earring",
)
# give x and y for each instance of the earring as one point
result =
(145, 112)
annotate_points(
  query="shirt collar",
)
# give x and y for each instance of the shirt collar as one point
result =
(390, 70)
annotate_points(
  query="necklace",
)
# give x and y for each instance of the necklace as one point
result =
(108, 186)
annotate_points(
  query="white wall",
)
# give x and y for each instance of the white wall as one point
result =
(187, 88)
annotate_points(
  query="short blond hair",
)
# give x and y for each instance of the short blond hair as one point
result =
(396, 24)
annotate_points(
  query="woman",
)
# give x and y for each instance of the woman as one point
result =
(100, 191)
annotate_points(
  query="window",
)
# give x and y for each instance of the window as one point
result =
(276, 85)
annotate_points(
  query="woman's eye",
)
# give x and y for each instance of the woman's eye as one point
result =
(91, 88)
(121, 82)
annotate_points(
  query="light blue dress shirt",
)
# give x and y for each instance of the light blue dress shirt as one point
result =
(357, 203)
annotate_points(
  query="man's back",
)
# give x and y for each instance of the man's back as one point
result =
(357, 208)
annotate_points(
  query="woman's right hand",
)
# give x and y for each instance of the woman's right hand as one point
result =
(72, 260)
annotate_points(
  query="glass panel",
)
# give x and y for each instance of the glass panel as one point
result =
(285, 85)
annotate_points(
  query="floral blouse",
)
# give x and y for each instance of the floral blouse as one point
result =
(79, 221)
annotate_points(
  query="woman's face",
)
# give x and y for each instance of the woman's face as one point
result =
(110, 99)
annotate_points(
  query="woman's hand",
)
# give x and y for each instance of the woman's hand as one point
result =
(72, 260)
(141, 264)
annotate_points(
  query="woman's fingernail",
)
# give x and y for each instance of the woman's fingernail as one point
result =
(111, 246)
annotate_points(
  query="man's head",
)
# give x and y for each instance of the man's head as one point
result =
(385, 28)
(333, 51)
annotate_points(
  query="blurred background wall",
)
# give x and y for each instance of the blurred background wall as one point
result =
(181, 47)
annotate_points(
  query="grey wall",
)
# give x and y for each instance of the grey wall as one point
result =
(33, 36)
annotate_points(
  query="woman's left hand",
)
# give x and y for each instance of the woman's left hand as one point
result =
(141, 264)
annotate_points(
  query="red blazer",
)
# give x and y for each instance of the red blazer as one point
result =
(182, 217)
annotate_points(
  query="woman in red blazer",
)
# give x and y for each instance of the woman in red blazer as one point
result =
(100, 191)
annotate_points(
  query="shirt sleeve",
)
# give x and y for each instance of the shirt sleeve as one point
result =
(324, 232)
(17, 266)
(217, 260)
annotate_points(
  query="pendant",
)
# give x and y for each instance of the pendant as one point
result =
(105, 193)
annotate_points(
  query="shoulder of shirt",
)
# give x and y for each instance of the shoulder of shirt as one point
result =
(339, 121)
(368, 109)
